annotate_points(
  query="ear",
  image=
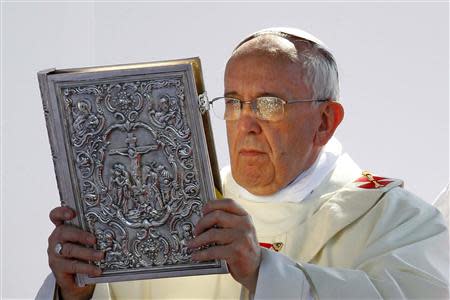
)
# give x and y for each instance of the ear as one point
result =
(331, 115)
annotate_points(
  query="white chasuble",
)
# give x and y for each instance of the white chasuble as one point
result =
(346, 236)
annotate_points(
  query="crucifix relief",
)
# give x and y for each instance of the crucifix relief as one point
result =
(134, 152)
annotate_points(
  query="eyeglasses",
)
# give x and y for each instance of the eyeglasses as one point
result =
(267, 108)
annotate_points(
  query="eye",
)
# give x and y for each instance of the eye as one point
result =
(232, 103)
(269, 108)
(232, 109)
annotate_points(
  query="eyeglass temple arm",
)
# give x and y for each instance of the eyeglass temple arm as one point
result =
(307, 100)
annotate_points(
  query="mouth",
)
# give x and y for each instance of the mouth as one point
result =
(250, 152)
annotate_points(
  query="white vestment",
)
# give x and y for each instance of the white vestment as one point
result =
(344, 240)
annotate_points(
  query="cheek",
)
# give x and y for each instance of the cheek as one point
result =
(231, 134)
(305, 123)
(292, 143)
(276, 139)
(282, 152)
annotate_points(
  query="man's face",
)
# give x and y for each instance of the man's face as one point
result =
(266, 156)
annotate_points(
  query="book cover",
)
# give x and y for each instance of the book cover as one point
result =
(134, 155)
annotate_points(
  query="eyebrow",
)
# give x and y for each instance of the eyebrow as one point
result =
(231, 94)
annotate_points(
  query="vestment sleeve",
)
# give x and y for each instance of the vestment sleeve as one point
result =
(405, 254)
(280, 278)
(415, 271)
(48, 289)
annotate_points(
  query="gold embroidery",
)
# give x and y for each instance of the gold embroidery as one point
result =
(369, 176)
(277, 246)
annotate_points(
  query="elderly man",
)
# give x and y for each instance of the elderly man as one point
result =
(299, 220)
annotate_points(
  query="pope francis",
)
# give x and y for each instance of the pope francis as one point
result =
(300, 220)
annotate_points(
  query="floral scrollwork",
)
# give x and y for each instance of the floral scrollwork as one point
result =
(124, 100)
(153, 251)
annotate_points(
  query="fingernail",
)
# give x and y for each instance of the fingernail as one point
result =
(91, 239)
(100, 254)
(67, 215)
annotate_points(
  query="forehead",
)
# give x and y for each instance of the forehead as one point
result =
(260, 73)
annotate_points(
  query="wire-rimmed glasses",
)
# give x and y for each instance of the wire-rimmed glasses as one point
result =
(267, 108)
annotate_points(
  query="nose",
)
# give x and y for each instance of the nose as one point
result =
(247, 121)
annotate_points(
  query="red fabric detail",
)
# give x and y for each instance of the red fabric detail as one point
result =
(371, 185)
(365, 179)
(266, 245)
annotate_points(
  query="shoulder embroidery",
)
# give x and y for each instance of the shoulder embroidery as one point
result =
(372, 182)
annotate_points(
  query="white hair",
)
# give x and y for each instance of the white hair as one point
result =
(320, 72)
(319, 67)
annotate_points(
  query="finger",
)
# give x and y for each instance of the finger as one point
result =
(219, 218)
(68, 233)
(73, 266)
(212, 253)
(228, 205)
(65, 281)
(218, 236)
(81, 253)
(67, 284)
(60, 214)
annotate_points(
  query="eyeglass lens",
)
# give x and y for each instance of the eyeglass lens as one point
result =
(265, 108)
(269, 108)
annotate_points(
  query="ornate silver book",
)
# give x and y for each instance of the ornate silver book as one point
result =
(134, 156)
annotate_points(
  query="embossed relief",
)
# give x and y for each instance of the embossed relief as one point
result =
(133, 154)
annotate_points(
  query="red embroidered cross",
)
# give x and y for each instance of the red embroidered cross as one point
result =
(373, 182)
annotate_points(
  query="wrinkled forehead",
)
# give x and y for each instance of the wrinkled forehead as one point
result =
(283, 48)
(274, 52)
(288, 39)
(266, 66)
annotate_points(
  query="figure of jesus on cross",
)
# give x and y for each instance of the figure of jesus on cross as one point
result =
(134, 152)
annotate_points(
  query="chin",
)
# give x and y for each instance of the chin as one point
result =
(261, 190)
(254, 180)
